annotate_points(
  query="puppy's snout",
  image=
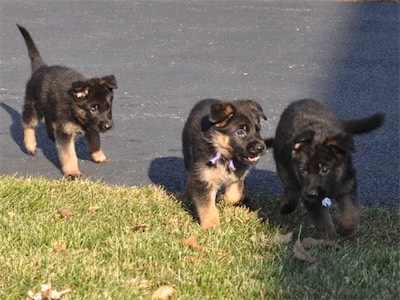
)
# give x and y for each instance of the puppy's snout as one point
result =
(257, 148)
(106, 126)
(312, 193)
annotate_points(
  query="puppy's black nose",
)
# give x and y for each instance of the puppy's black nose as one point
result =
(257, 148)
(312, 193)
(107, 126)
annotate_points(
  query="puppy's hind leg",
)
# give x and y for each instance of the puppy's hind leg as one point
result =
(30, 120)
(93, 138)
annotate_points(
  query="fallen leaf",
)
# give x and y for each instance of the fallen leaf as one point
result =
(301, 253)
(65, 213)
(141, 228)
(191, 241)
(61, 247)
(284, 238)
(163, 293)
(312, 267)
(93, 208)
(197, 260)
(309, 242)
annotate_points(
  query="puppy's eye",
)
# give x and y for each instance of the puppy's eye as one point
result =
(324, 170)
(94, 108)
(241, 132)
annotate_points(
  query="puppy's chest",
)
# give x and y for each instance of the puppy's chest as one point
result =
(220, 174)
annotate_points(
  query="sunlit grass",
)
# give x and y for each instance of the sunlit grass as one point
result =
(108, 257)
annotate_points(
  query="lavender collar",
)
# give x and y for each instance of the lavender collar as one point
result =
(218, 156)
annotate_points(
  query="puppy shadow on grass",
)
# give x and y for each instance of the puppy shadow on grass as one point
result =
(44, 143)
(171, 174)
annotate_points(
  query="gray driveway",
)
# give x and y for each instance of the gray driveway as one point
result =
(167, 55)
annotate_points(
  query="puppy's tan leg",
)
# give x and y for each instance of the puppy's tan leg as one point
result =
(203, 195)
(350, 216)
(208, 212)
(30, 139)
(93, 139)
(234, 193)
(322, 220)
(69, 160)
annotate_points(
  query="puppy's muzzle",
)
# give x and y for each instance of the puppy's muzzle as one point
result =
(106, 126)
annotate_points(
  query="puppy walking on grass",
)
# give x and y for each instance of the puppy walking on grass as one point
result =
(313, 155)
(70, 104)
(220, 141)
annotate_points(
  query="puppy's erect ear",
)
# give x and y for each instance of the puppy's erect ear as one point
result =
(256, 108)
(109, 81)
(80, 90)
(221, 113)
(340, 144)
(305, 137)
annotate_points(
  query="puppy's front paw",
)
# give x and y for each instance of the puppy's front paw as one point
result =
(99, 157)
(210, 223)
(74, 175)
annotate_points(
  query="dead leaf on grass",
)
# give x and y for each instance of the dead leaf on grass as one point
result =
(164, 292)
(284, 238)
(309, 242)
(141, 228)
(65, 213)
(191, 241)
(93, 208)
(301, 254)
(61, 247)
(46, 292)
(197, 260)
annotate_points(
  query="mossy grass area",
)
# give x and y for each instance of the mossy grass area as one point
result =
(95, 241)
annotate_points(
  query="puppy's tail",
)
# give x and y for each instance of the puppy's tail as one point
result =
(34, 55)
(359, 126)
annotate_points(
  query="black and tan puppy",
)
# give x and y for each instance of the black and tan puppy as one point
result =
(313, 155)
(70, 104)
(220, 141)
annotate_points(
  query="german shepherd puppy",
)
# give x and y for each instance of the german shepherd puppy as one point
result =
(312, 151)
(220, 141)
(70, 104)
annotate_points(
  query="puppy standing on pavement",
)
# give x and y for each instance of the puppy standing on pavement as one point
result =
(220, 141)
(70, 104)
(312, 151)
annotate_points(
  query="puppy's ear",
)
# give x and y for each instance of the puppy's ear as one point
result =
(109, 81)
(80, 90)
(256, 109)
(221, 113)
(305, 137)
(340, 144)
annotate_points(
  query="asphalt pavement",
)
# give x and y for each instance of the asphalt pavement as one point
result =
(167, 55)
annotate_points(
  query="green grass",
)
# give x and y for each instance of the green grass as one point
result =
(107, 259)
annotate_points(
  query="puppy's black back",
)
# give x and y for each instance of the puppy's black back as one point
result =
(304, 115)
